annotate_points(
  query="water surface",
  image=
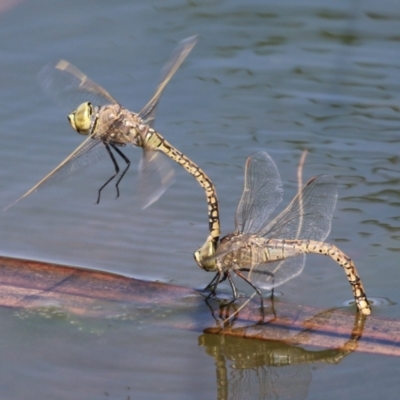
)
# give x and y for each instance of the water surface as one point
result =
(280, 77)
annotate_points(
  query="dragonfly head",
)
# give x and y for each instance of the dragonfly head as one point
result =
(204, 258)
(81, 118)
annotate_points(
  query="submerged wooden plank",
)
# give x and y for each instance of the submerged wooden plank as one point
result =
(32, 284)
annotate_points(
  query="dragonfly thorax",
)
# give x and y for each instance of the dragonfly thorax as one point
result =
(234, 243)
(218, 260)
(117, 125)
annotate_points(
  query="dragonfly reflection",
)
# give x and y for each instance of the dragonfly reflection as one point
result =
(268, 369)
(272, 253)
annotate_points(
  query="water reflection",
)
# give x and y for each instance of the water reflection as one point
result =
(268, 369)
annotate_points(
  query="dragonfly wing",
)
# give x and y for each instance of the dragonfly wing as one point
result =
(309, 215)
(69, 87)
(90, 151)
(273, 274)
(177, 58)
(261, 194)
(155, 176)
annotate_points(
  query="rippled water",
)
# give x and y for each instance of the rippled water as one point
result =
(281, 77)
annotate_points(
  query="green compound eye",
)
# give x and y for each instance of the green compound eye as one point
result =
(80, 119)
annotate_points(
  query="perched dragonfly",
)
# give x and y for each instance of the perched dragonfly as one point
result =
(273, 253)
(108, 126)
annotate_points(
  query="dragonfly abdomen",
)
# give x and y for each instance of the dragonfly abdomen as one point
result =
(157, 142)
(259, 251)
(327, 249)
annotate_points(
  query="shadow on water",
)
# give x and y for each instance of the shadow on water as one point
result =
(259, 369)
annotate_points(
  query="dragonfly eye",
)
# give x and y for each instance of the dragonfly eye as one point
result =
(80, 119)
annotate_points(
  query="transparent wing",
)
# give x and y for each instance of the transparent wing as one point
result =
(155, 176)
(70, 87)
(309, 215)
(177, 58)
(90, 151)
(261, 194)
(275, 273)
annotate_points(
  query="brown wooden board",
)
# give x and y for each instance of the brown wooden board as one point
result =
(32, 284)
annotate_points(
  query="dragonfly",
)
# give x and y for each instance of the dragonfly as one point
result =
(108, 127)
(268, 254)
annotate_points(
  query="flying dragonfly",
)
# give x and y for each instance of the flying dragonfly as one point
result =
(272, 253)
(109, 127)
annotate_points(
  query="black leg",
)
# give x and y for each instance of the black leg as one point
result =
(265, 273)
(116, 171)
(214, 283)
(217, 280)
(226, 275)
(128, 163)
(238, 273)
(234, 290)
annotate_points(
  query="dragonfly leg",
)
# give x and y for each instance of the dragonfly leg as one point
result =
(116, 172)
(238, 273)
(270, 274)
(234, 290)
(222, 278)
(218, 278)
(128, 164)
(214, 283)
